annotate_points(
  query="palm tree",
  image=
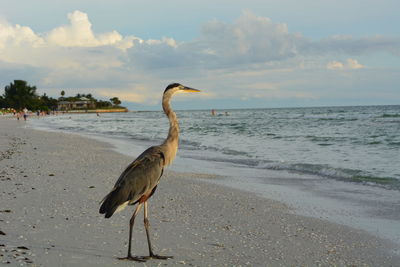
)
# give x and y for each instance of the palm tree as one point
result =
(115, 101)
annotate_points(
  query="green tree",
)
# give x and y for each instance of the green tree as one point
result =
(2, 102)
(62, 93)
(103, 104)
(46, 103)
(19, 95)
(115, 101)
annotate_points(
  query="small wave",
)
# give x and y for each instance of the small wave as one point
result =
(347, 175)
(377, 180)
(190, 144)
(326, 140)
(338, 119)
(242, 161)
(228, 151)
(141, 138)
(374, 143)
(68, 128)
(390, 116)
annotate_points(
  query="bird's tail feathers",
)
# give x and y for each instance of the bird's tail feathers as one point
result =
(111, 202)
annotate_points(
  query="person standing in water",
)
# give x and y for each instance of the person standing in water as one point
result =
(25, 111)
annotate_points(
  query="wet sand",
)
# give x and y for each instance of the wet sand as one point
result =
(51, 185)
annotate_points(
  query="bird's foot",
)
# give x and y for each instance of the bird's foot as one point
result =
(158, 257)
(132, 258)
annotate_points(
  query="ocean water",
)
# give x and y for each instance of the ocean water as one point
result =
(352, 144)
(340, 164)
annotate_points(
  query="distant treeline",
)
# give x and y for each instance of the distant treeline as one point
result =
(19, 95)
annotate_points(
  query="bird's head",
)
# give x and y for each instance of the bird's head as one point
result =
(178, 88)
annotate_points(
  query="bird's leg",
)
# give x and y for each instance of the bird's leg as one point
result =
(147, 226)
(131, 222)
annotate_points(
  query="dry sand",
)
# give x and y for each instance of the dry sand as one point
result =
(51, 185)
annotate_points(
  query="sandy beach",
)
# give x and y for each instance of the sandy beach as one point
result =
(52, 183)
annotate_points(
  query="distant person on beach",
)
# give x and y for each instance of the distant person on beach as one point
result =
(25, 112)
(213, 112)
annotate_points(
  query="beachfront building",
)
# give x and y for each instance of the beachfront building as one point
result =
(82, 103)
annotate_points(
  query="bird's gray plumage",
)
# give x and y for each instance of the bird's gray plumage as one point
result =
(139, 180)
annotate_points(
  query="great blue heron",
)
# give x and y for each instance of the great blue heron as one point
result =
(140, 179)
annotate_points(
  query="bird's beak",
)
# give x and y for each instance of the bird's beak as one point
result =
(188, 89)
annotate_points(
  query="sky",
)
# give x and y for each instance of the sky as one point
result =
(241, 54)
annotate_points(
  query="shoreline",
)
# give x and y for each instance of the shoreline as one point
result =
(90, 111)
(356, 205)
(52, 183)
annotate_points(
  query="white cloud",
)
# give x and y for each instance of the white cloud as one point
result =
(250, 39)
(18, 36)
(351, 64)
(79, 33)
(241, 59)
(67, 47)
(334, 65)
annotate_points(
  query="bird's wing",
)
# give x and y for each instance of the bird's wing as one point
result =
(143, 174)
(139, 178)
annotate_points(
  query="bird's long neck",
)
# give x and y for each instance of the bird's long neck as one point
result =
(170, 145)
